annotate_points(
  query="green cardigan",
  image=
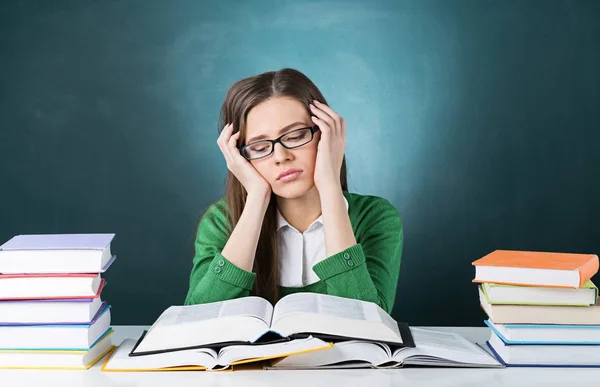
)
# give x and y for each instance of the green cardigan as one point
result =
(366, 271)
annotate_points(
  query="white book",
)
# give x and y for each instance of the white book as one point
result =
(56, 253)
(207, 358)
(545, 354)
(49, 359)
(432, 348)
(249, 320)
(44, 286)
(65, 336)
(46, 312)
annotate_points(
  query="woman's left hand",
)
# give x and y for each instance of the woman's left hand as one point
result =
(332, 145)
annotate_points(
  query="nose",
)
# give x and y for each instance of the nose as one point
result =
(282, 154)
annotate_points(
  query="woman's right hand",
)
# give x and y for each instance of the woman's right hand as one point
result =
(241, 168)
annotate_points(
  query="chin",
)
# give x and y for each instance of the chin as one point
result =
(292, 191)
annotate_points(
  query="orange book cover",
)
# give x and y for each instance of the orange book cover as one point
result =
(585, 264)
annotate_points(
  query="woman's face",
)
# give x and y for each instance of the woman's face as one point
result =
(290, 172)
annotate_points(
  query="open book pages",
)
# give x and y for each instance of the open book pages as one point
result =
(207, 358)
(250, 320)
(444, 349)
(433, 348)
(217, 324)
(334, 317)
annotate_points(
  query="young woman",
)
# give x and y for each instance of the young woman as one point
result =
(288, 222)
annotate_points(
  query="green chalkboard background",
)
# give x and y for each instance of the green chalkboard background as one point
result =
(479, 120)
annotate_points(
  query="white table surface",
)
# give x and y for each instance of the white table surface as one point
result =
(413, 377)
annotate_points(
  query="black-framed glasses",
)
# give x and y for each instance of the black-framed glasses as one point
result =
(294, 139)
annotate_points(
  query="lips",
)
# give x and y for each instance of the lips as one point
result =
(288, 173)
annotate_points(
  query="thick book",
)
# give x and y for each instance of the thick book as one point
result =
(41, 297)
(540, 314)
(499, 294)
(56, 359)
(544, 355)
(49, 311)
(253, 320)
(56, 337)
(535, 268)
(526, 334)
(42, 286)
(432, 348)
(206, 358)
(56, 253)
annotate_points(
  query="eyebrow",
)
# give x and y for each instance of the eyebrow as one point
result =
(287, 127)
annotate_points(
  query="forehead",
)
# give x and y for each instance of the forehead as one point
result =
(273, 114)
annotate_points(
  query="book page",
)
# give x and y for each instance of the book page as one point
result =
(246, 306)
(180, 327)
(325, 305)
(334, 317)
(444, 346)
(345, 352)
(440, 340)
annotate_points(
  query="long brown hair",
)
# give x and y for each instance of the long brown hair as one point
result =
(240, 99)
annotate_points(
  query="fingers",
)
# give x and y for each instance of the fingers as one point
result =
(323, 126)
(331, 117)
(225, 133)
(324, 117)
(233, 148)
(223, 143)
(224, 137)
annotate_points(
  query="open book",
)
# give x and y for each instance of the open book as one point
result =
(253, 321)
(206, 358)
(433, 348)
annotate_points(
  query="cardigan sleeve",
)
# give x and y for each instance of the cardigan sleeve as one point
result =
(214, 278)
(370, 269)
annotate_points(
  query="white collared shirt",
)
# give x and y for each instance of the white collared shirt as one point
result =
(299, 252)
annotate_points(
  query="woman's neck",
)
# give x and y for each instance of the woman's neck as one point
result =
(302, 211)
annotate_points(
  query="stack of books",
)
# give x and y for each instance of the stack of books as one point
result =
(542, 307)
(51, 311)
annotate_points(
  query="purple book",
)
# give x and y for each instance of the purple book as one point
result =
(105, 307)
(59, 242)
(56, 253)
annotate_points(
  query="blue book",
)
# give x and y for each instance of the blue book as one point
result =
(546, 334)
(56, 336)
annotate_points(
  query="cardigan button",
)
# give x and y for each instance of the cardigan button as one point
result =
(221, 263)
(217, 270)
(346, 256)
(350, 262)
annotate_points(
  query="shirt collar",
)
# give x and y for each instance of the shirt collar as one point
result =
(281, 222)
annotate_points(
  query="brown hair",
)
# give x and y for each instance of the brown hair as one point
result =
(240, 99)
